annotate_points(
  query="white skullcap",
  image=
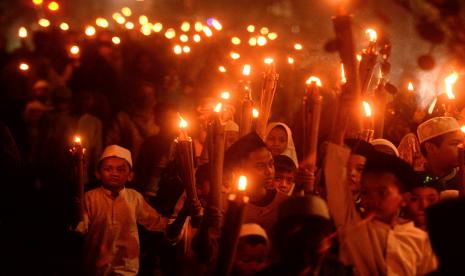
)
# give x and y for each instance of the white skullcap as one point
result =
(387, 143)
(436, 127)
(116, 151)
(249, 229)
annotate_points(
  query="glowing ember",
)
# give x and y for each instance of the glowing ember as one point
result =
(264, 31)
(234, 55)
(255, 113)
(450, 81)
(235, 40)
(22, 32)
(186, 49)
(143, 19)
(253, 41)
(290, 60)
(343, 74)
(207, 31)
(44, 22)
(410, 86)
(367, 109)
(101, 22)
(272, 36)
(64, 26)
(298, 46)
(196, 38)
(116, 40)
(242, 183)
(261, 41)
(314, 80)
(177, 49)
(90, 31)
(222, 69)
(251, 28)
(157, 27)
(225, 95)
(170, 33)
(183, 38)
(53, 6)
(185, 26)
(372, 35)
(246, 70)
(23, 66)
(218, 107)
(268, 60)
(74, 50)
(126, 11)
(129, 25)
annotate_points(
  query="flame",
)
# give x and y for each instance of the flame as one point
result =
(251, 28)
(217, 25)
(101, 22)
(218, 107)
(343, 74)
(242, 183)
(290, 60)
(126, 11)
(235, 40)
(315, 80)
(432, 106)
(185, 26)
(170, 33)
(246, 70)
(116, 40)
(298, 46)
(359, 57)
(22, 32)
(372, 35)
(143, 19)
(77, 139)
(207, 31)
(53, 6)
(272, 36)
(157, 27)
(222, 69)
(129, 25)
(182, 122)
(410, 86)
(64, 26)
(44, 22)
(268, 60)
(367, 108)
(186, 49)
(23, 66)
(264, 31)
(255, 113)
(261, 41)
(90, 31)
(196, 38)
(253, 41)
(462, 128)
(177, 49)
(235, 55)
(74, 50)
(183, 38)
(450, 81)
(225, 95)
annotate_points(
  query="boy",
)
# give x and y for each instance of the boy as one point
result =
(439, 138)
(111, 215)
(252, 250)
(284, 175)
(380, 244)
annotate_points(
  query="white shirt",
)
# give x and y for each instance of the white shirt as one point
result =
(112, 241)
(370, 246)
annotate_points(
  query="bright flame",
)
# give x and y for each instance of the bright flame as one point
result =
(359, 57)
(182, 122)
(343, 74)
(367, 109)
(90, 31)
(450, 81)
(315, 80)
(74, 50)
(251, 28)
(298, 46)
(185, 26)
(129, 25)
(235, 40)
(77, 139)
(272, 36)
(22, 32)
(143, 19)
(44, 22)
(126, 11)
(186, 49)
(119, 18)
(157, 27)
(146, 29)
(235, 55)
(253, 41)
(217, 25)
(116, 40)
(432, 106)
(242, 183)
(290, 60)
(268, 60)
(410, 86)
(183, 38)
(170, 33)
(64, 26)
(23, 66)
(264, 31)
(261, 41)
(196, 38)
(372, 35)
(37, 2)
(225, 95)
(218, 107)
(177, 49)
(255, 113)
(101, 22)
(53, 6)
(198, 26)
(222, 69)
(207, 31)
(462, 128)
(246, 70)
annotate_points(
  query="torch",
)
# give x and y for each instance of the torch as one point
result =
(185, 159)
(449, 81)
(367, 133)
(78, 154)
(270, 81)
(368, 62)
(245, 122)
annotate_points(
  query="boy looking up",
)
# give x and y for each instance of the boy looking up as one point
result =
(111, 215)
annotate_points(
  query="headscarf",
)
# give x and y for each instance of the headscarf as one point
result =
(290, 149)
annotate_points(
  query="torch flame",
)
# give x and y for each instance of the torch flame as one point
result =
(372, 35)
(77, 139)
(218, 107)
(359, 57)
(255, 113)
(225, 95)
(246, 70)
(432, 106)
(343, 74)
(367, 108)
(242, 183)
(290, 60)
(450, 81)
(315, 80)
(462, 128)
(182, 122)
(222, 69)
(22, 32)
(410, 86)
(268, 60)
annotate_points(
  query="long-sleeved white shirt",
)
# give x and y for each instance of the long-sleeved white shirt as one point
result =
(371, 246)
(112, 241)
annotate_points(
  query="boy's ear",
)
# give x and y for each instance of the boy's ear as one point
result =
(131, 176)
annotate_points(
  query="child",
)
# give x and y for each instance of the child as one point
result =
(252, 250)
(278, 138)
(111, 215)
(284, 174)
(382, 243)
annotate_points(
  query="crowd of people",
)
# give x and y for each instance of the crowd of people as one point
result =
(381, 207)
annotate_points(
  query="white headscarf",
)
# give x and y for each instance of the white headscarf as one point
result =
(290, 149)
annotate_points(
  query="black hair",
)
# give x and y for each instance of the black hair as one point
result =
(282, 163)
(437, 141)
(424, 180)
(360, 147)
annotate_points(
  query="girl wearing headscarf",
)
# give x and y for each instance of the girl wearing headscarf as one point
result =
(278, 138)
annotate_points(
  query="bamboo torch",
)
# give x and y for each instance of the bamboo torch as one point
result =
(367, 133)
(449, 81)
(368, 62)
(245, 122)
(237, 203)
(185, 159)
(78, 153)
(270, 81)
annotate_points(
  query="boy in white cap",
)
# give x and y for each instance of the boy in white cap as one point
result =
(439, 138)
(111, 215)
(252, 250)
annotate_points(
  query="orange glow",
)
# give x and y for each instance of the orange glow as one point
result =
(64, 26)
(53, 6)
(116, 40)
(298, 46)
(182, 122)
(129, 25)
(23, 66)
(217, 25)
(255, 113)
(222, 69)
(246, 70)
(186, 49)
(218, 107)
(196, 38)
(235, 55)
(157, 27)
(185, 26)
(101, 22)
(44, 22)
(225, 95)
(235, 40)
(22, 32)
(343, 74)
(207, 31)
(251, 28)
(450, 81)
(462, 128)
(242, 183)
(177, 49)
(90, 31)
(410, 86)
(268, 60)
(126, 11)
(290, 60)
(170, 33)
(367, 109)
(372, 35)
(359, 57)
(77, 139)
(74, 50)
(315, 80)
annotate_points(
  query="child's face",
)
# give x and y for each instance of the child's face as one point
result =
(250, 259)
(381, 196)
(284, 181)
(355, 167)
(114, 172)
(418, 200)
(276, 140)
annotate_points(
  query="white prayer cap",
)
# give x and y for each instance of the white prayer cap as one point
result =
(116, 151)
(249, 229)
(385, 143)
(436, 127)
(40, 84)
(231, 126)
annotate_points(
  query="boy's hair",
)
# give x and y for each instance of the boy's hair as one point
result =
(241, 150)
(283, 163)
(437, 141)
(424, 180)
(360, 147)
(382, 163)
